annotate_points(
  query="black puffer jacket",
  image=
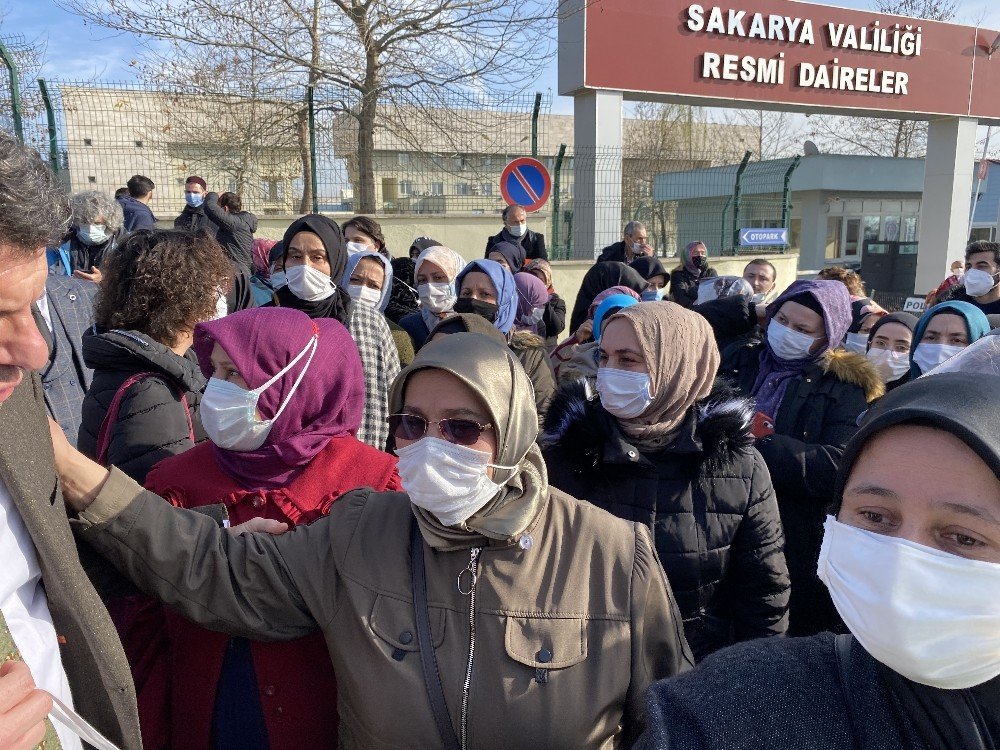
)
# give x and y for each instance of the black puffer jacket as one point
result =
(707, 499)
(818, 415)
(196, 220)
(235, 231)
(151, 423)
(684, 285)
(554, 320)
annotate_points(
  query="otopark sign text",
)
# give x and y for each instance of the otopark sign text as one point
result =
(801, 56)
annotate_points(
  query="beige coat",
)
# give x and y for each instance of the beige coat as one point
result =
(587, 588)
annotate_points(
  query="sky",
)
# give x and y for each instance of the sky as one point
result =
(76, 51)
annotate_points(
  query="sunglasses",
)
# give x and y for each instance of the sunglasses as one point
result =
(458, 431)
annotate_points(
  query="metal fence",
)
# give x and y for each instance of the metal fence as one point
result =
(288, 150)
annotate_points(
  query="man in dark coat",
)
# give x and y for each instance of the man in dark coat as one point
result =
(135, 205)
(515, 230)
(634, 243)
(236, 227)
(193, 218)
(64, 314)
(54, 630)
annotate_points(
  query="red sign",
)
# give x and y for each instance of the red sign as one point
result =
(792, 55)
(525, 182)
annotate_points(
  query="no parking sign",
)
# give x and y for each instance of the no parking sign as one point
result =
(526, 182)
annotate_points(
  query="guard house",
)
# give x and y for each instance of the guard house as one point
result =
(833, 204)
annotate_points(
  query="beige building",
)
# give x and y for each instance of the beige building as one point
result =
(249, 147)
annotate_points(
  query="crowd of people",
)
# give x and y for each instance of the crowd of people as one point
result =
(307, 493)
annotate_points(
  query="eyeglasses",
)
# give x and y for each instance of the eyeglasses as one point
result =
(458, 431)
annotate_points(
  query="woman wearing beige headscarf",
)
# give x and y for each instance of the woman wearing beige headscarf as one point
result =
(434, 272)
(538, 622)
(663, 444)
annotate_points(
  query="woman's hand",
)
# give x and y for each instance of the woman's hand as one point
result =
(81, 478)
(585, 332)
(260, 525)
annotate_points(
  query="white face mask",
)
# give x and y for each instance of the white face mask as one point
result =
(888, 364)
(308, 284)
(353, 248)
(979, 283)
(624, 394)
(929, 356)
(229, 413)
(534, 318)
(446, 479)
(92, 234)
(437, 297)
(856, 342)
(931, 616)
(787, 344)
(518, 230)
(638, 248)
(364, 294)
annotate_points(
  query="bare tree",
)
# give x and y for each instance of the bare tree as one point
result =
(878, 137)
(779, 134)
(376, 51)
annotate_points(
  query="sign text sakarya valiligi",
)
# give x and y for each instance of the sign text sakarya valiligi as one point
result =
(900, 41)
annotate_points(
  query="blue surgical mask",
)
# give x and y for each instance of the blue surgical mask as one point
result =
(653, 295)
(194, 199)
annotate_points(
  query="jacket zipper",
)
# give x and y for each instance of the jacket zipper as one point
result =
(473, 570)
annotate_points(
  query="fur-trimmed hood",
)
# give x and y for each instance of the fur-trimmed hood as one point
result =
(855, 369)
(717, 427)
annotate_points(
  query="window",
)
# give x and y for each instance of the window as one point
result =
(405, 187)
(437, 188)
(139, 144)
(273, 190)
(487, 188)
(461, 188)
(833, 227)
(982, 233)
(890, 228)
(92, 179)
(910, 229)
(851, 237)
(403, 158)
(88, 141)
(872, 228)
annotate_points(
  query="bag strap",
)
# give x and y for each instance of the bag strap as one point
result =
(845, 669)
(111, 416)
(428, 659)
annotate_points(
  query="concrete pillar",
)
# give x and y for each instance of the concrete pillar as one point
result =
(597, 171)
(944, 208)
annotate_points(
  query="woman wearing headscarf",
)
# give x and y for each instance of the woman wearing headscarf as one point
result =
(944, 331)
(600, 277)
(656, 276)
(435, 271)
(911, 557)
(314, 255)
(809, 394)
(864, 314)
(888, 347)
(693, 268)
(487, 289)
(668, 447)
(368, 279)
(288, 458)
(478, 633)
(577, 356)
(510, 255)
(532, 296)
(554, 317)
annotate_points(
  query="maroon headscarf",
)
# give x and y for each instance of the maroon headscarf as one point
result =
(329, 400)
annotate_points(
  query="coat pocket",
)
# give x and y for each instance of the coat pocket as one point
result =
(395, 622)
(545, 642)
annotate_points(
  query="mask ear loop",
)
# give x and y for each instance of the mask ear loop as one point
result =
(311, 348)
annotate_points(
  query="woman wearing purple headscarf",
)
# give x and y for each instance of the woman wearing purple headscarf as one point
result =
(532, 297)
(809, 395)
(282, 409)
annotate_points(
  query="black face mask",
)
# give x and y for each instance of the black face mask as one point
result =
(486, 310)
(699, 261)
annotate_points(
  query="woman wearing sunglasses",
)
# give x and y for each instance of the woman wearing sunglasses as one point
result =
(282, 410)
(530, 618)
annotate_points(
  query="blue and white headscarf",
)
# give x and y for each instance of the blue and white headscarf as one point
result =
(503, 282)
(352, 263)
